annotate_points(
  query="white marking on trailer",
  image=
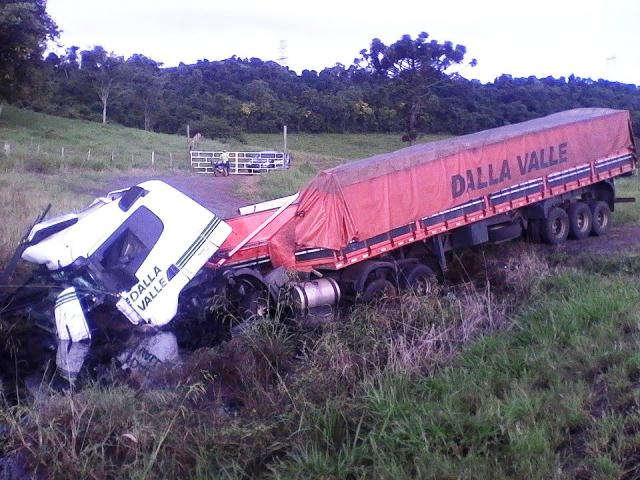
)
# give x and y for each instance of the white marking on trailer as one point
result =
(607, 161)
(311, 250)
(453, 209)
(354, 260)
(568, 173)
(517, 188)
(339, 265)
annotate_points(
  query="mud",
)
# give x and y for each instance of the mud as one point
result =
(620, 239)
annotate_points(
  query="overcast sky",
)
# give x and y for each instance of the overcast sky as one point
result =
(590, 38)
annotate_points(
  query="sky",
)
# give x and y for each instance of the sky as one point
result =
(589, 38)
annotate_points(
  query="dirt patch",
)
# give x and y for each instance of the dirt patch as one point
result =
(218, 194)
(620, 239)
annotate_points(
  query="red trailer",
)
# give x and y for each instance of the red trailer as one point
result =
(389, 220)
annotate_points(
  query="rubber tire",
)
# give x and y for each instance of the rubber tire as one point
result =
(548, 225)
(416, 273)
(597, 209)
(504, 232)
(575, 211)
(534, 231)
(377, 290)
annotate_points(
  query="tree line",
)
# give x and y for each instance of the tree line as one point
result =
(406, 87)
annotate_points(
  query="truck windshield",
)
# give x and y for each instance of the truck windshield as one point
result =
(121, 255)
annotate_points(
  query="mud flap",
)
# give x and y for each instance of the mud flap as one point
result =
(71, 322)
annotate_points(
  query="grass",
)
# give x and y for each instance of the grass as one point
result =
(348, 146)
(627, 212)
(24, 196)
(36, 141)
(313, 153)
(530, 372)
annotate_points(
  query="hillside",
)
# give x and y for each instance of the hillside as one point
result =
(38, 139)
(36, 173)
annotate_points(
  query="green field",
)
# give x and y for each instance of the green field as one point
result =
(524, 365)
(35, 172)
(36, 141)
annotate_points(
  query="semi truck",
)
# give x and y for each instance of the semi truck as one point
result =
(355, 232)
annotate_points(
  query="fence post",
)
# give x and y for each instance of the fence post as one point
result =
(112, 158)
(131, 159)
(7, 149)
(62, 158)
(284, 131)
(38, 150)
(171, 160)
(153, 158)
(89, 155)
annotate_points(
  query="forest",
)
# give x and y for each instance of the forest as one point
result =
(405, 87)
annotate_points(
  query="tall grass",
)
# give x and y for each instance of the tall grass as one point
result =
(283, 399)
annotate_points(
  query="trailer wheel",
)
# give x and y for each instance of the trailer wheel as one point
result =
(534, 231)
(419, 278)
(377, 290)
(601, 215)
(255, 305)
(580, 220)
(555, 227)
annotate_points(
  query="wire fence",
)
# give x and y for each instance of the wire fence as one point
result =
(45, 158)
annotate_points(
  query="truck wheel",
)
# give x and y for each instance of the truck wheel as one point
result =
(555, 227)
(419, 278)
(534, 231)
(377, 290)
(580, 220)
(601, 216)
(255, 305)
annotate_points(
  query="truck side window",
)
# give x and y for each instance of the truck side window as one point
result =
(120, 257)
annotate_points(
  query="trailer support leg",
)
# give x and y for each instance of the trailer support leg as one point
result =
(438, 250)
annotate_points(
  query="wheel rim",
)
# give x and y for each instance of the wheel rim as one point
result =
(583, 222)
(602, 219)
(422, 285)
(558, 227)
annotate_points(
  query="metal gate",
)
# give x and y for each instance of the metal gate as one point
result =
(240, 163)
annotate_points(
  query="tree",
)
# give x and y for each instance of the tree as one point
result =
(144, 83)
(413, 67)
(103, 70)
(25, 28)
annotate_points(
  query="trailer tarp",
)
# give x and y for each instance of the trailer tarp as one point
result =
(365, 198)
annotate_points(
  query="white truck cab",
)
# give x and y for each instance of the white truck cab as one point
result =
(137, 248)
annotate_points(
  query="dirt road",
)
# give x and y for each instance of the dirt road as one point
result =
(219, 194)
